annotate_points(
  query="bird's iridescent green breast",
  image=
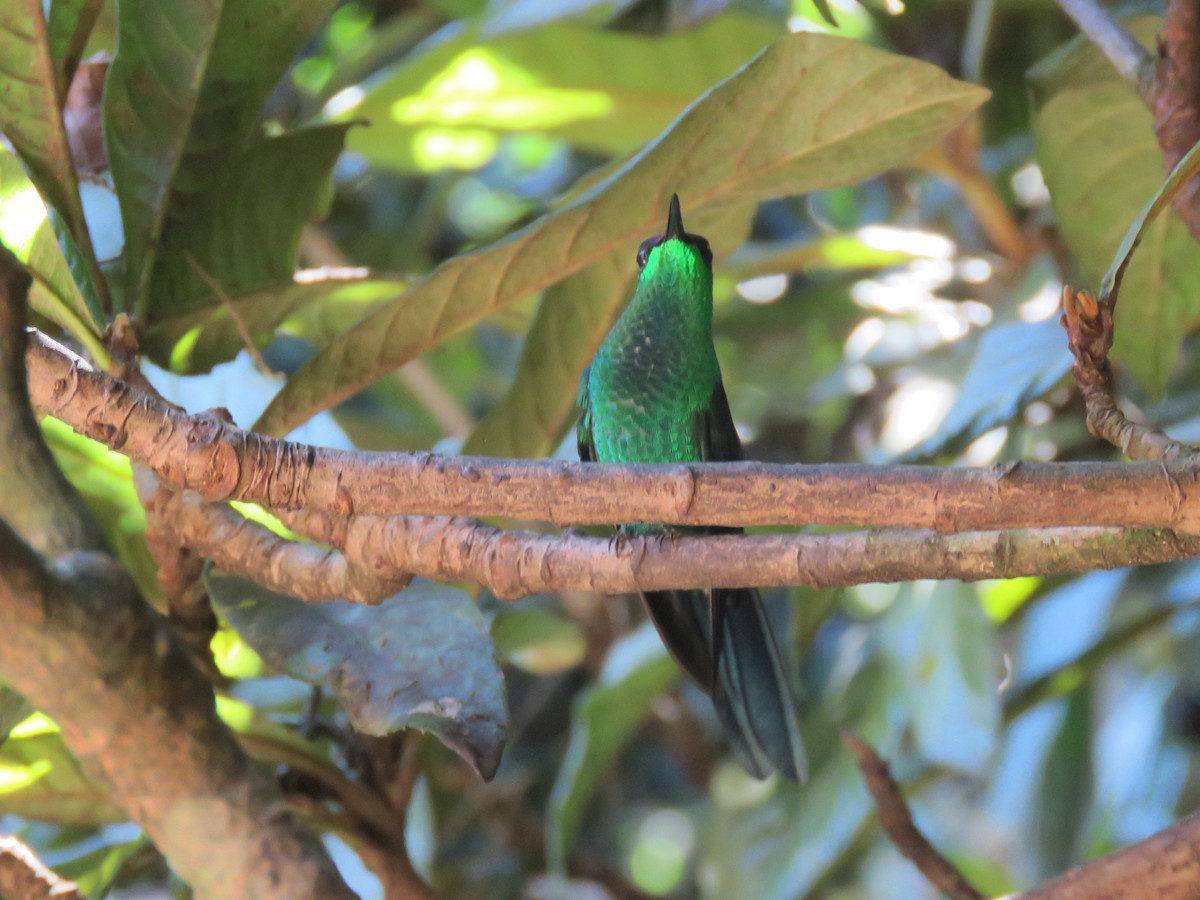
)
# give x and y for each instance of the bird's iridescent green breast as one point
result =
(656, 370)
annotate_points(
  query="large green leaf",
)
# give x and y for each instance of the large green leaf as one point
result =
(572, 320)
(183, 96)
(603, 90)
(942, 642)
(243, 232)
(30, 116)
(13, 710)
(811, 111)
(604, 719)
(68, 25)
(420, 659)
(1099, 178)
(316, 305)
(27, 231)
(1065, 788)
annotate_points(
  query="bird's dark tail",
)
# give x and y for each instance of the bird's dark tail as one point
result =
(723, 640)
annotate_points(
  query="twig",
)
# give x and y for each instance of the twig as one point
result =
(24, 876)
(897, 821)
(1089, 326)
(1121, 48)
(221, 462)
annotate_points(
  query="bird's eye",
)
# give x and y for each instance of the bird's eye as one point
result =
(643, 253)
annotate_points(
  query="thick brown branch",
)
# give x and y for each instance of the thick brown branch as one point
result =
(1165, 866)
(82, 646)
(897, 821)
(25, 876)
(513, 564)
(1176, 99)
(236, 544)
(221, 462)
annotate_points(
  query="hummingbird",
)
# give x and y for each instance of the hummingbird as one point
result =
(653, 394)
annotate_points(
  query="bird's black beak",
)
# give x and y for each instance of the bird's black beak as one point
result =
(674, 220)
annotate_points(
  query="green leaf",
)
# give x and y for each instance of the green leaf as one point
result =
(315, 304)
(68, 26)
(1099, 178)
(26, 229)
(1015, 362)
(786, 123)
(420, 659)
(105, 481)
(40, 779)
(1064, 793)
(601, 90)
(537, 640)
(244, 231)
(183, 96)
(29, 112)
(96, 872)
(604, 720)
(13, 710)
(939, 638)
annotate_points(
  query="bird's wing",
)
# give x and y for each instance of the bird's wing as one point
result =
(717, 436)
(583, 427)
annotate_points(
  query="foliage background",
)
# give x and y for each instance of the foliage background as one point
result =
(912, 316)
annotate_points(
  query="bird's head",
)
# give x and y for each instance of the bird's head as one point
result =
(675, 253)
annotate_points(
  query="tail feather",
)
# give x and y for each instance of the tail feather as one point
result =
(723, 640)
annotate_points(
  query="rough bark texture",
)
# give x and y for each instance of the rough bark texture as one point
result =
(1165, 866)
(1175, 99)
(219, 461)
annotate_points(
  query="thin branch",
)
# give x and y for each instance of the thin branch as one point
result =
(222, 462)
(514, 564)
(24, 876)
(238, 545)
(897, 821)
(1102, 28)
(1089, 326)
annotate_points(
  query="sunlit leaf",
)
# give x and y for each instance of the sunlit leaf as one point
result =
(538, 641)
(1015, 362)
(784, 124)
(26, 230)
(316, 304)
(421, 659)
(447, 106)
(604, 717)
(29, 111)
(944, 645)
(106, 483)
(1099, 178)
(40, 780)
(183, 96)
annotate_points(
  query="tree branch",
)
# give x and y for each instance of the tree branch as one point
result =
(239, 545)
(1121, 48)
(1166, 864)
(1176, 100)
(24, 876)
(221, 462)
(897, 822)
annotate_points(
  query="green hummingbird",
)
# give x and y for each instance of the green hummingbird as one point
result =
(653, 394)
